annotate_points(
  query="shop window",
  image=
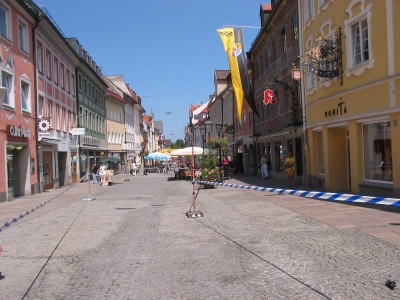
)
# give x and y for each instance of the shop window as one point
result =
(283, 40)
(6, 81)
(62, 76)
(5, 21)
(295, 27)
(55, 70)
(57, 118)
(309, 11)
(378, 151)
(80, 81)
(67, 81)
(39, 61)
(63, 119)
(320, 143)
(48, 66)
(23, 36)
(358, 30)
(25, 96)
(41, 106)
(73, 85)
(287, 100)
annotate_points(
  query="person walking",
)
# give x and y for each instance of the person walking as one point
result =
(264, 167)
(289, 163)
(134, 169)
(102, 172)
(95, 169)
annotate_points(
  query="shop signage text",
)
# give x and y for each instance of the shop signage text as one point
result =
(90, 141)
(43, 135)
(16, 131)
(338, 111)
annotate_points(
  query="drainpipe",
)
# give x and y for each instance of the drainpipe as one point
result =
(303, 92)
(38, 18)
(78, 154)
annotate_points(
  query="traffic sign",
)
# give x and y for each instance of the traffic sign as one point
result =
(77, 131)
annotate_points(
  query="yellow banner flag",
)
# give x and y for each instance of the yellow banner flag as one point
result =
(232, 39)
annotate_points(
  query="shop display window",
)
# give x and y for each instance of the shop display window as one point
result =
(378, 151)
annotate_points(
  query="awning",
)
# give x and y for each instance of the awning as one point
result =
(50, 141)
(94, 148)
(234, 142)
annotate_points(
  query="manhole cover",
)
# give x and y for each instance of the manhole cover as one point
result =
(125, 208)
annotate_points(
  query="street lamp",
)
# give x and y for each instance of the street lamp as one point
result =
(203, 135)
(127, 166)
(143, 148)
(208, 125)
(218, 128)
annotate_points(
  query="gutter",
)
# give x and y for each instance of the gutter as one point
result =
(38, 18)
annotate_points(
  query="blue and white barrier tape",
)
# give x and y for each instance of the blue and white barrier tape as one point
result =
(14, 220)
(311, 194)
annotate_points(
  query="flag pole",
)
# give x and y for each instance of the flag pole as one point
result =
(194, 213)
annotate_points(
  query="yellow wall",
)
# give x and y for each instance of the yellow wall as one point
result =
(367, 99)
(356, 155)
(336, 10)
(364, 96)
(396, 26)
(113, 126)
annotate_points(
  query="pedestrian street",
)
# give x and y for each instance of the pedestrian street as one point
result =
(134, 241)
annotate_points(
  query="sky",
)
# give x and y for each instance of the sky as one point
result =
(166, 50)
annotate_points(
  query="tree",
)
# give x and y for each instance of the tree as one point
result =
(179, 144)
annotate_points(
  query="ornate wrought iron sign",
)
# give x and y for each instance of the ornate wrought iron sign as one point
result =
(324, 59)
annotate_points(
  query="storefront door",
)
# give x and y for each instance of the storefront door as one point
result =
(48, 170)
(10, 173)
(299, 156)
(62, 167)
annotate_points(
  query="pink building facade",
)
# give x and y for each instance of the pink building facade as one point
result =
(56, 108)
(18, 154)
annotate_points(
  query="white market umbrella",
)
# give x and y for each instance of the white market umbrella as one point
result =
(188, 151)
(156, 155)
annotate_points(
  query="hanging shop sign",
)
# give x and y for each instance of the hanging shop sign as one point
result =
(43, 125)
(297, 74)
(269, 97)
(324, 59)
(18, 131)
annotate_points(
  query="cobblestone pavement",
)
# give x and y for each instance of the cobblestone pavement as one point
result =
(135, 242)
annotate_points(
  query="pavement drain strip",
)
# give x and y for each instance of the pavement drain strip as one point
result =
(120, 208)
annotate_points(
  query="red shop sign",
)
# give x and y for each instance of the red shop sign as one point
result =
(269, 97)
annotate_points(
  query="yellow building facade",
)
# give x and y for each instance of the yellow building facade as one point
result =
(353, 131)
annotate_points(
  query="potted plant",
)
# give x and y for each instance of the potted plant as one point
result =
(209, 162)
(218, 143)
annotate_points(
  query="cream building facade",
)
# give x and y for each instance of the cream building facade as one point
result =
(353, 119)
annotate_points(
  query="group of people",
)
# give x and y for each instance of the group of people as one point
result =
(97, 171)
(289, 165)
